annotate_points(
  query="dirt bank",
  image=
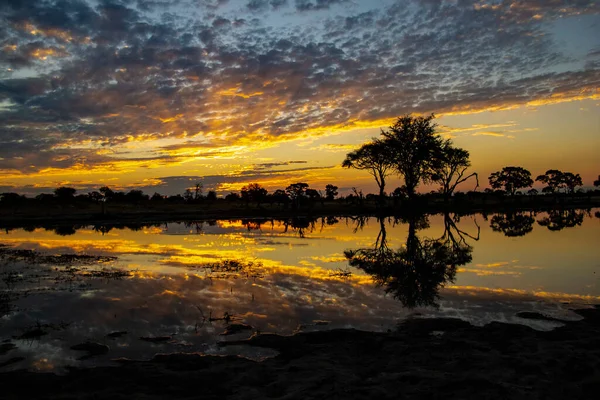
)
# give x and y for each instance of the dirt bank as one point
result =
(425, 358)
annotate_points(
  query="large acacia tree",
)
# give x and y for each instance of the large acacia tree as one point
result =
(413, 143)
(374, 157)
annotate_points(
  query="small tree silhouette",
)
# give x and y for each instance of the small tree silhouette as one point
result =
(374, 157)
(450, 166)
(65, 194)
(254, 193)
(331, 191)
(296, 192)
(557, 180)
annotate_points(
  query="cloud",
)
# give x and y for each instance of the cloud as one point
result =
(270, 178)
(316, 5)
(489, 133)
(334, 147)
(91, 83)
(264, 5)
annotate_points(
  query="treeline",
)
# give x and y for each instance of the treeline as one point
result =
(294, 195)
(412, 150)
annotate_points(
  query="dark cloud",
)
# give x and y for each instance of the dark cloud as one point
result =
(178, 184)
(276, 164)
(264, 5)
(313, 5)
(102, 75)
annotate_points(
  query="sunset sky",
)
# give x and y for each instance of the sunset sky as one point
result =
(161, 94)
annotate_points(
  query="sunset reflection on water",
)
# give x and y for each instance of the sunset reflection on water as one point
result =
(182, 279)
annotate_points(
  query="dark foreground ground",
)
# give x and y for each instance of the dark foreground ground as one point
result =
(498, 361)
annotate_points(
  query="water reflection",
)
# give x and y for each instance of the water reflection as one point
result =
(181, 279)
(513, 224)
(557, 220)
(415, 273)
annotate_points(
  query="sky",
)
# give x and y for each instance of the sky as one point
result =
(161, 94)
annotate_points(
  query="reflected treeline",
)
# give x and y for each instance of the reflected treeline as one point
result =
(514, 224)
(560, 219)
(415, 273)
(297, 225)
(67, 230)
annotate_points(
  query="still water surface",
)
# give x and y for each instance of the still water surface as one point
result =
(184, 284)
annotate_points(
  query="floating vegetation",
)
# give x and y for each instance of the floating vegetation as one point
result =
(227, 269)
(106, 273)
(32, 256)
(25, 272)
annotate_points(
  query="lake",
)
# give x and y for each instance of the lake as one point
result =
(185, 286)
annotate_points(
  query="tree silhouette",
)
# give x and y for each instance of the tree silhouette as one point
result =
(331, 191)
(414, 273)
(450, 166)
(211, 196)
(65, 230)
(511, 179)
(571, 181)
(296, 192)
(232, 197)
(65, 194)
(254, 193)
(107, 192)
(280, 197)
(414, 145)
(188, 195)
(512, 224)
(136, 196)
(95, 196)
(557, 180)
(597, 182)
(374, 157)
(552, 180)
(312, 194)
(157, 197)
(198, 190)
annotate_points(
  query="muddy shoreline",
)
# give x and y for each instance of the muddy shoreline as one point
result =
(424, 358)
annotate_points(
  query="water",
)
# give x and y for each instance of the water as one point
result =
(186, 283)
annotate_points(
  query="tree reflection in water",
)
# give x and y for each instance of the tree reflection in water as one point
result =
(415, 273)
(560, 219)
(512, 224)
